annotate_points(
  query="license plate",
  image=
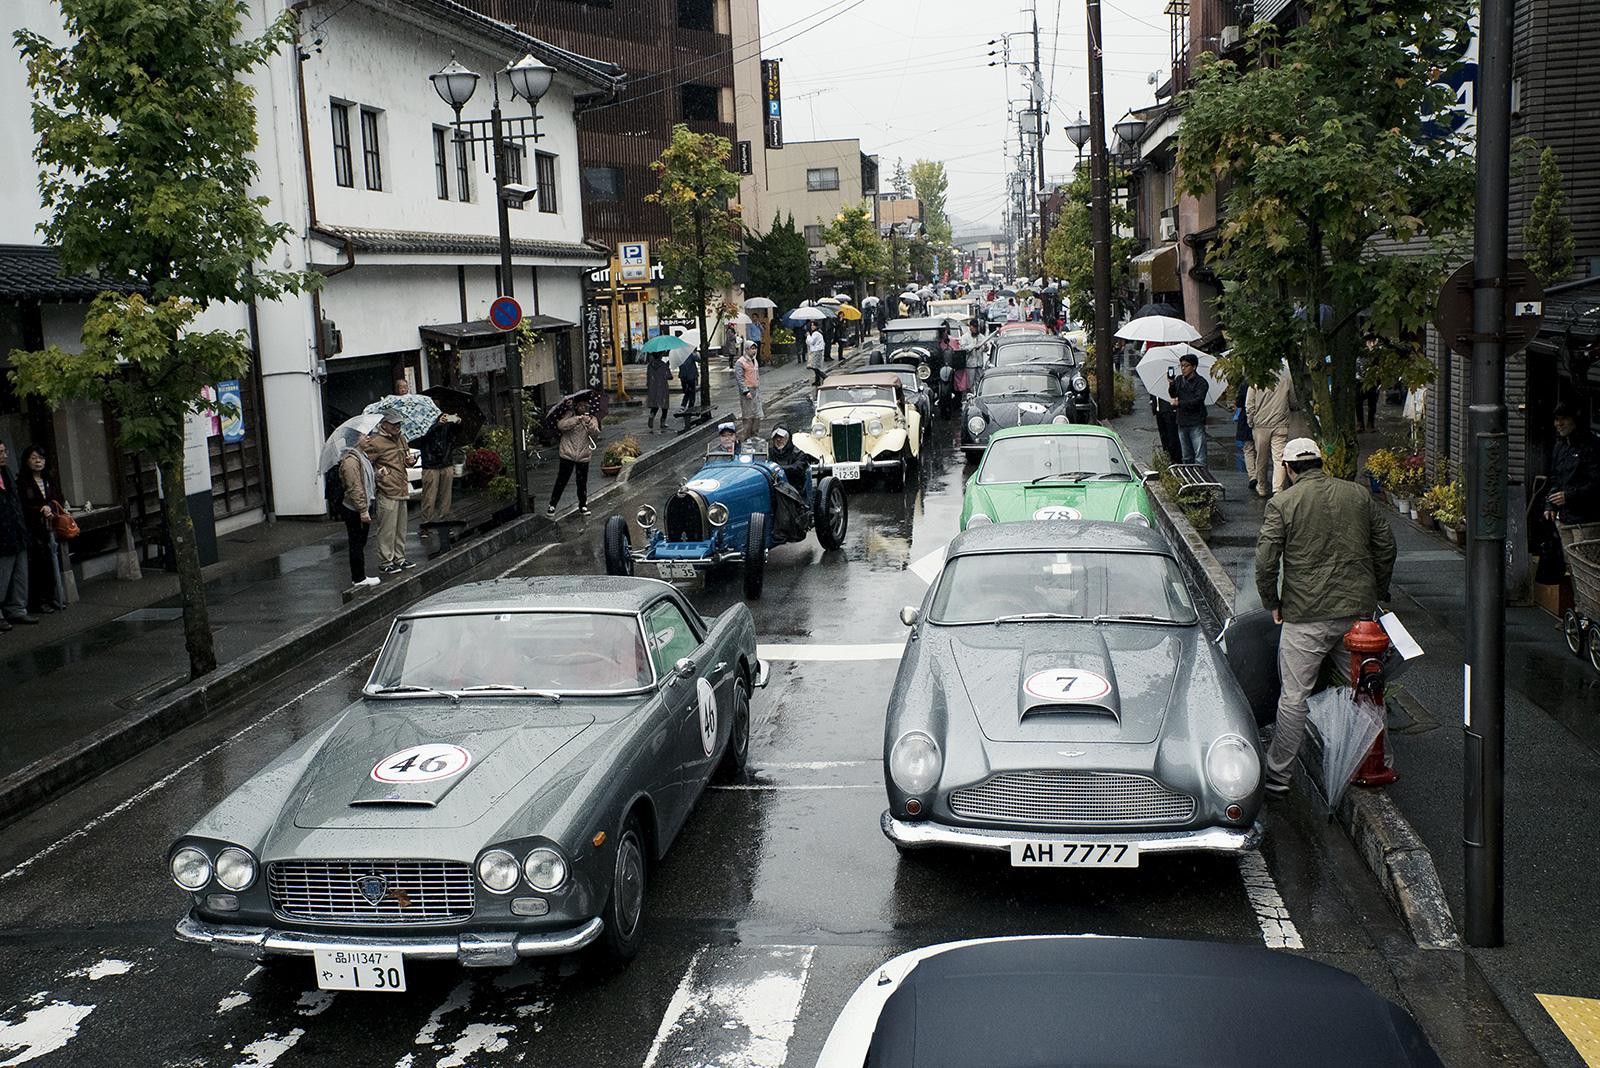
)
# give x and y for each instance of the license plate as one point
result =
(1074, 855)
(847, 472)
(671, 569)
(360, 969)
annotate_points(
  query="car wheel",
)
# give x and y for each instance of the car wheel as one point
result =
(737, 754)
(1594, 652)
(755, 556)
(831, 513)
(624, 911)
(1572, 628)
(619, 553)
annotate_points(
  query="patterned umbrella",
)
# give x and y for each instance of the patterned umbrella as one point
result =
(590, 401)
(417, 412)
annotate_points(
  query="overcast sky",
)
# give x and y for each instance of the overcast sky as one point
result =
(911, 79)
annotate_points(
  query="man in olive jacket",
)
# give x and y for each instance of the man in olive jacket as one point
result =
(1336, 555)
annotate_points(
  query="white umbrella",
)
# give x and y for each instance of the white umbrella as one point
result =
(345, 435)
(1162, 328)
(740, 319)
(1154, 365)
(805, 312)
(756, 303)
(865, 301)
(829, 300)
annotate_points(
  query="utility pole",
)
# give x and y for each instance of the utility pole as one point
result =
(1100, 215)
(1483, 808)
(1038, 118)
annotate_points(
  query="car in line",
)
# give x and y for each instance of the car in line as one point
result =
(1035, 350)
(913, 381)
(1046, 471)
(522, 754)
(735, 510)
(864, 424)
(1059, 702)
(1010, 397)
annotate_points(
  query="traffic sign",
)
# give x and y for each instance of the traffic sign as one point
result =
(1524, 308)
(505, 313)
(634, 256)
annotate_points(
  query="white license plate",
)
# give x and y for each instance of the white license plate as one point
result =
(847, 472)
(671, 569)
(360, 969)
(1074, 855)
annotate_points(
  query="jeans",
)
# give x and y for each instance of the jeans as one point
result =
(1192, 440)
(390, 519)
(1302, 647)
(567, 468)
(14, 584)
(357, 530)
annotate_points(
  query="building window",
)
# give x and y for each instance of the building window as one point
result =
(463, 172)
(371, 154)
(602, 183)
(544, 173)
(441, 163)
(341, 145)
(814, 237)
(697, 15)
(514, 172)
(700, 103)
(819, 179)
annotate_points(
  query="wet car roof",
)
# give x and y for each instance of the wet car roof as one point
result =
(1063, 534)
(603, 593)
(914, 324)
(878, 378)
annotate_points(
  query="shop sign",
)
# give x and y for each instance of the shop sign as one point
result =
(634, 259)
(745, 158)
(483, 361)
(772, 99)
(593, 344)
(230, 404)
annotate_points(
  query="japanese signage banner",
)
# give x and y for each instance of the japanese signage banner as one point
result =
(772, 99)
(593, 345)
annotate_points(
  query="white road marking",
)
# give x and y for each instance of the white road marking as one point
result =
(734, 1008)
(879, 651)
(171, 777)
(264, 1052)
(41, 1031)
(815, 765)
(1277, 929)
(476, 1038)
(762, 786)
(232, 1001)
(530, 558)
(102, 969)
(458, 999)
(927, 569)
(314, 1002)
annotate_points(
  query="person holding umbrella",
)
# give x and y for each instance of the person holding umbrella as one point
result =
(579, 429)
(815, 348)
(354, 491)
(388, 452)
(689, 380)
(1188, 392)
(657, 388)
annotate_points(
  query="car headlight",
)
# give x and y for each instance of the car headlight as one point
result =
(718, 514)
(646, 517)
(1080, 383)
(1233, 767)
(915, 762)
(545, 869)
(923, 372)
(975, 425)
(1136, 518)
(191, 869)
(236, 869)
(875, 427)
(817, 430)
(1060, 420)
(979, 517)
(498, 871)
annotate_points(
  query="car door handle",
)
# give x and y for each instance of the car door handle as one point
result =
(719, 667)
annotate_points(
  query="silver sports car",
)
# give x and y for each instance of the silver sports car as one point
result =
(1059, 701)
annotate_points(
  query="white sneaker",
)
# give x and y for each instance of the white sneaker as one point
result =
(370, 580)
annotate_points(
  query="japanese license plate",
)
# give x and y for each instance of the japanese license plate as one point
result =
(1074, 855)
(847, 472)
(360, 969)
(673, 569)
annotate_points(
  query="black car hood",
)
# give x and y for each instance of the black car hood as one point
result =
(1021, 410)
(1067, 681)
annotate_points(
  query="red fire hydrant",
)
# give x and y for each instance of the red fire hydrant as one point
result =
(1366, 643)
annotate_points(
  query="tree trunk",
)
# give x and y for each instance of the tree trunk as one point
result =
(186, 555)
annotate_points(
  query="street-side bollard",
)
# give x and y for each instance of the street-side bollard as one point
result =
(1367, 643)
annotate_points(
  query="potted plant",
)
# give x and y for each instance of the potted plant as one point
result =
(619, 454)
(1380, 466)
(458, 461)
(1448, 502)
(1404, 482)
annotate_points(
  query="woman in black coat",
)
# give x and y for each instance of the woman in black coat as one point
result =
(41, 496)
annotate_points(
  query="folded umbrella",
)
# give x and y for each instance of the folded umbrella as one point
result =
(1348, 726)
(418, 412)
(345, 436)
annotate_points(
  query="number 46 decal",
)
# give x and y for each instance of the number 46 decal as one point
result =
(422, 763)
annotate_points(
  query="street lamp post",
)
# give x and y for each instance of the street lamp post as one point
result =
(530, 80)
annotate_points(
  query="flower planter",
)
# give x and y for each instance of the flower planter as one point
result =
(611, 470)
(1413, 514)
(460, 469)
(1401, 505)
(1458, 535)
(1375, 485)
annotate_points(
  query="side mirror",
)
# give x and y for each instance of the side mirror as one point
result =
(684, 668)
(1150, 476)
(910, 615)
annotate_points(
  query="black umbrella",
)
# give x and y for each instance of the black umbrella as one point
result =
(590, 401)
(1158, 309)
(459, 403)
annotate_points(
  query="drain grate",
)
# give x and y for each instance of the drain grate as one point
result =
(150, 615)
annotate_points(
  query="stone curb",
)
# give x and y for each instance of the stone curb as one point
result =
(32, 786)
(1386, 841)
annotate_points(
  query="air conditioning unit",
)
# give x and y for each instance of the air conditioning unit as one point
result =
(1169, 229)
(1230, 36)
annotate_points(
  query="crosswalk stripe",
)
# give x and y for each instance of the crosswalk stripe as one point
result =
(734, 1008)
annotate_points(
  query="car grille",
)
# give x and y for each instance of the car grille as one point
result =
(846, 443)
(1071, 798)
(328, 891)
(684, 519)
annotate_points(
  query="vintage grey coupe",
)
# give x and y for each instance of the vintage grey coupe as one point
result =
(522, 754)
(1058, 701)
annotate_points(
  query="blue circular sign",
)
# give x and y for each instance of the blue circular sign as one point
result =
(505, 313)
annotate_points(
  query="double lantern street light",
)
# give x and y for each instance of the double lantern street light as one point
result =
(530, 80)
(1128, 131)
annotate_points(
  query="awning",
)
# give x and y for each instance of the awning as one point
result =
(32, 273)
(1157, 268)
(418, 242)
(481, 333)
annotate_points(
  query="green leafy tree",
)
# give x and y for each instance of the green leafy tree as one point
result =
(695, 188)
(1547, 235)
(932, 187)
(858, 252)
(1324, 149)
(1069, 250)
(145, 134)
(779, 264)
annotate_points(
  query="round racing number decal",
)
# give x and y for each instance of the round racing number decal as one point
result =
(1057, 511)
(422, 763)
(1032, 407)
(703, 485)
(707, 699)
(1067, 684)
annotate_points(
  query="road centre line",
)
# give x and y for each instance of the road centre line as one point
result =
(1272, 914)
(927, 568)
(872, 651)
(530, 558)
(167, 780)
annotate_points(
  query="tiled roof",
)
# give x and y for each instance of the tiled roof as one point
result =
(33, 273)
(416, 241)
(600, 74)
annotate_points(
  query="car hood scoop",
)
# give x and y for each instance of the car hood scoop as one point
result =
(1067, 682)
(480, 751)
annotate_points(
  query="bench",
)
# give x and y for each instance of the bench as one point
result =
(1195, 479)
(474, 517)
(691, 416)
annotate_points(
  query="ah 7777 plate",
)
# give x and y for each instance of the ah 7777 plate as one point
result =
(1074, 855)
(360, 969)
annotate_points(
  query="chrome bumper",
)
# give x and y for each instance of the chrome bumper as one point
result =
(923, 834)
(762, 673)
(484, 950)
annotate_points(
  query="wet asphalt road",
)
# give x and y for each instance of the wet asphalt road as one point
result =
(776, 901)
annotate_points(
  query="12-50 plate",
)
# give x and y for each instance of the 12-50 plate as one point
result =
(847, 472)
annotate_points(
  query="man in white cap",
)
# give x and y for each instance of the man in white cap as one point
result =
(1335, 554)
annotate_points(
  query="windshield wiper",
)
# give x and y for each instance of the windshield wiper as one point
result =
(405, 688)
(510, 687)
(1028, 617)
(1123, 475)
(1069, 476)
(1134, 617)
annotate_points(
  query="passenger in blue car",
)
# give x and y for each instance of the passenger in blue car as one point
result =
(785, 455)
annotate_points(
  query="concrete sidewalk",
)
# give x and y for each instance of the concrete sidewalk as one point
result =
(1552, 749)
(118, 654)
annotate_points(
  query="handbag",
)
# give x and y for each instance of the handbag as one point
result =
(66, 526)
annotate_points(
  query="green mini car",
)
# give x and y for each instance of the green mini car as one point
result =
(1056, 471)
